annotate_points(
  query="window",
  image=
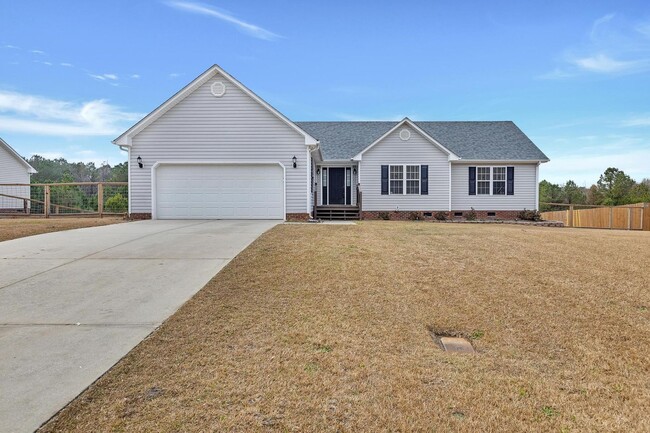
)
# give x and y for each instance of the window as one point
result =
(413, 179)
(404, 179)
(483, 180)
(396, 179)
(498, 180)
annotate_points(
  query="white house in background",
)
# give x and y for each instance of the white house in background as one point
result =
(217, 150)
(13, 169)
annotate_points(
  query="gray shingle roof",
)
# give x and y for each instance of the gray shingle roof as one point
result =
(501, 140)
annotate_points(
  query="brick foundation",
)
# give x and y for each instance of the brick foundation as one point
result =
(430, 215)
(139, 216)
(297, 217)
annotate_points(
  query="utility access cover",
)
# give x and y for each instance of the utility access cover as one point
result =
(456, 344)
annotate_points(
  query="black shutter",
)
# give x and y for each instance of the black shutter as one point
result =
(472, 181)
(510, 184)
(424, 179)
(384, 180)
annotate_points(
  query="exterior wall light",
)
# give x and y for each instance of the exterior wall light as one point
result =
(318, 170)
(354, 170)
(295, 161)
(140, 162)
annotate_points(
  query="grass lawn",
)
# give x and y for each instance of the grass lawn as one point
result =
(13, 228)
(327, 328)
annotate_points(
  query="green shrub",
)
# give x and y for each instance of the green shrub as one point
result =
(529, 215)
(117, 203)
(471, 215)
(441, 216)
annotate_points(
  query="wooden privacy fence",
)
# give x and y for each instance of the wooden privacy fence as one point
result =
(64, 199)
(626, 217)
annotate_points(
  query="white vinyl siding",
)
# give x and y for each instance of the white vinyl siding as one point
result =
(417, 150)
(233, 128)
(12, 171)
(525, 186)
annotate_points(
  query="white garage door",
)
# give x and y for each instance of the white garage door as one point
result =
(211, 191)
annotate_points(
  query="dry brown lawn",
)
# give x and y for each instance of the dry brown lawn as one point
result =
(319, 328)
(13, 228)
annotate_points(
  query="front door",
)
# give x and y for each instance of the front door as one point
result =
(336, 189)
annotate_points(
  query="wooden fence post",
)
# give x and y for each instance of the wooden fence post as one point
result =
(571, 215)
(611, 216)
(629, 218)
(100, 199)
(46, 205)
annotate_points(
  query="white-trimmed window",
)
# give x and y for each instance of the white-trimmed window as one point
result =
(396, 179)
(498, 181)
(404, 179)
(413, 179)
(483, 180)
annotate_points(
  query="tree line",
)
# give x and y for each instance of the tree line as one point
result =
(60, 170)
(613, 188)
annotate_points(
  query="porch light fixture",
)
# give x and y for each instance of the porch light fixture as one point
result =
(295, 161)
(354, 170)
(140, 162)
(318, 171)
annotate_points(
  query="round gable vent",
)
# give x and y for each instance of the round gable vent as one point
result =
(218, 89)
(405, 134)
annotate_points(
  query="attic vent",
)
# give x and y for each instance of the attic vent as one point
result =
(404, 134)
(218, 89)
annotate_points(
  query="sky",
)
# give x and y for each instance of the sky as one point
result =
(573, 75)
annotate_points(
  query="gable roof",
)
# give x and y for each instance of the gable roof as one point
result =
(125, 138)
(472, 141)
(408, 122)
(15, 154)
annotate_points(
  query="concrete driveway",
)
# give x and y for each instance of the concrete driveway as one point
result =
(73, 303)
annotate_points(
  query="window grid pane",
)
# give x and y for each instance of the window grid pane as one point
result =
(396, 179)
(483, 173)
(499, 187)
(499, 173)
(483, 187)
(324, 177)
(396, 187)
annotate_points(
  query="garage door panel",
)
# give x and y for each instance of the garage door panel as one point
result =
(219, 191)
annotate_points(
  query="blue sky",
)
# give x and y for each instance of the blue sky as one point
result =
(574, 75)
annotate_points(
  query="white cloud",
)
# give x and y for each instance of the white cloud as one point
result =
(605, 64)
(31, 114)
(599, 22)
(67, 65)
(556, 74)
(614, 46)
(11, 47)
(135, 76)
(637, 121)
(203, 9)
(584, 158)
(175, 75)
(42, 53)
(104, 77)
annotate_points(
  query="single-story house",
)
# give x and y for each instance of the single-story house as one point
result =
(13, 170)
(217, 150)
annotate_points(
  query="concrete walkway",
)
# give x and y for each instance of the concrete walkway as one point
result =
(73, 303)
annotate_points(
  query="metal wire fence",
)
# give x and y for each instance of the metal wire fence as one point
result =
(64, 199)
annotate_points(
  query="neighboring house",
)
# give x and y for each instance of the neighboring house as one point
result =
(217, 150)
(13, 170)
